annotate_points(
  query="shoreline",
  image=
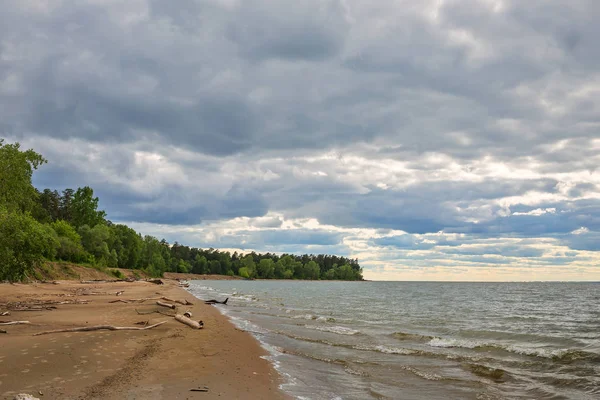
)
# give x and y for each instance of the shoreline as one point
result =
(163, 362)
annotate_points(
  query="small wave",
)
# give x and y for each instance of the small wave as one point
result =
(304, 316)
(558, 355)
(385, 349)
(424, 375)
(411, 336)
(355, 372)
(340, 330)
(495, 374)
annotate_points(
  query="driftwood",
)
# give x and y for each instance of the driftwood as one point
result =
(204, 389)
(13, 322)
(3, 331)
(187, 314)
(184, 302)
(189, 322)
(160, 303)
(120, 293)
(120, 301)
(34, 308)
(154, 311)
(5, 313)
(216, 301)
(101, 327)
(155, 281)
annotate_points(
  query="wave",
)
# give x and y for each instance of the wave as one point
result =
(385, 349)
(495, 374)
(340, 330)
(557, 355)
(411, 336)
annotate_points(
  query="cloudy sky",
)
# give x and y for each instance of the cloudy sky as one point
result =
(431, 139)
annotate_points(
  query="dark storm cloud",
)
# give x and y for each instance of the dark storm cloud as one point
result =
(235, 97)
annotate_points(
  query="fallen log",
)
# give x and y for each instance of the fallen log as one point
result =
(155, 281)
(3, 331)
(100, 327)
(13, 322)
(160, 303)
(183, 302)
(192, 324)
(216, 301)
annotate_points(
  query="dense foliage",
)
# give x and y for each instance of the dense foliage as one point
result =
(50, 225)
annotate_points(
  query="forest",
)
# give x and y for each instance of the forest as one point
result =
(48, 225)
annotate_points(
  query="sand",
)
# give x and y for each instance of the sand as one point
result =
(161, 363)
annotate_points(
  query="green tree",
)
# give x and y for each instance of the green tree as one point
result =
(200, 265)
(16, 169)
(266, 268)
(96, 241)
(128, 244)
(70, 248)
(248, 263)
(215, 267)
(84, 208)
(24, 244)
(311, 270)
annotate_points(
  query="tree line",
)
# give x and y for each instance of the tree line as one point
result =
(38, 226)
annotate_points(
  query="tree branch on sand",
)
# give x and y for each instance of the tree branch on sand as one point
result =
(100, 327)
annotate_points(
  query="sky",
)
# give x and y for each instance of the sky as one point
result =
(431, 139)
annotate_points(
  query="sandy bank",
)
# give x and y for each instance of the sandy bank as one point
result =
(160, 363)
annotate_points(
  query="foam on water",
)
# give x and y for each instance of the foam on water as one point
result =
(340, 330)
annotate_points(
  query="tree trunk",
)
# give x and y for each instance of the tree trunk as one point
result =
(188, 322)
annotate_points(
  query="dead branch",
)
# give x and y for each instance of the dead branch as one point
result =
(120, 301)
(155, 281)
(100, 327)
(145, 313)
(183, 302)
(120, 293)
(3, 331)
(160, 303)
(13, 322)
(4, 313)
(189, 322)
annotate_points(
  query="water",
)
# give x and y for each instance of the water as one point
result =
(422, 340)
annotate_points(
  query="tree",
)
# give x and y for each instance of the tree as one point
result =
(311, 270)
(215, 267)
(248, 263)
(70, 248)
(84, 208)
(24, 244)
(128, 245)
(96, 241)
(266, 268)
(16, 169)
(66, 205)
(200, 265)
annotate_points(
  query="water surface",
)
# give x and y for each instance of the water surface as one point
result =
(423, 340)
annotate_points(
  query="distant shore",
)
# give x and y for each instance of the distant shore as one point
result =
(160, 363)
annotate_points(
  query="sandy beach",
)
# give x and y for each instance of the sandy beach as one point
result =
(160, 363)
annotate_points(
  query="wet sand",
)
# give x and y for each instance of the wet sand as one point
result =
(160, 363)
